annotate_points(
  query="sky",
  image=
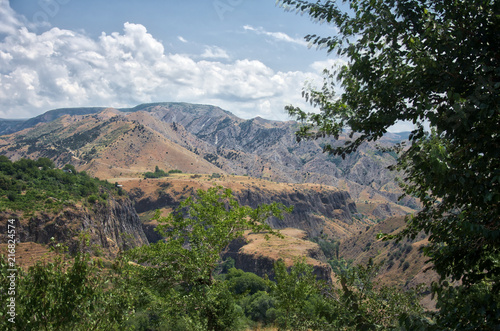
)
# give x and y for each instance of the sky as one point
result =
(245, 56)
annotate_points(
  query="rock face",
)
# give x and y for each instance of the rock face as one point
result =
(112, 226)
(253, 253)
(311, 209)
(316, 209)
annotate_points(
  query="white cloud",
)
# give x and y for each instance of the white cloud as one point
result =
(9, 20)
(63, 68)
(214, 52)
(281, 36)
(335, 63)
(182, 39)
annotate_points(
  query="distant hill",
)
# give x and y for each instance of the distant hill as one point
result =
(10, 126)
(346, 200)
(203, 139)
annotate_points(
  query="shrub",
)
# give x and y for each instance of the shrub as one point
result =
(241, 282)
(92, 199)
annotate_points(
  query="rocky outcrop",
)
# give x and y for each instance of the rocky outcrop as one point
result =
(112, 226)
(264, 266)
(115, 225)
(311, 208)
(254, 257)
(315, 208)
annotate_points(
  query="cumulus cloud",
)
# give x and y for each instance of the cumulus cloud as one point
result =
(281, 36)
(9, 20)
(329, 64)
(63, 68)
(214, 52)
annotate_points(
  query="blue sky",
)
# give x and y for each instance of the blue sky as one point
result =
(246, 56)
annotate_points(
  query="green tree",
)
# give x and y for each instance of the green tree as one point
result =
(196, 235)
(435, 63)
(362, 304)
(241, 282)
(294, 291)
(69, 293)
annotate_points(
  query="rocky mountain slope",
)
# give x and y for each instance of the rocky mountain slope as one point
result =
(203, 139)
(111, 226)
(402, 264)
(403, 259)
(259, 160)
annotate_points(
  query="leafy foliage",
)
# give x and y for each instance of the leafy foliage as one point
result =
(293, 292)
(183, 265)
(432, 63)
(247, 283)
(304, 303)
(75, 293)
(28, 185)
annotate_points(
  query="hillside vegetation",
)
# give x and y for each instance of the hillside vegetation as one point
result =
(182, 283)
(28, 186)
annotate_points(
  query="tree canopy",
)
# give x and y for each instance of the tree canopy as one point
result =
(183, 265)
(29, 185)
(433, 63)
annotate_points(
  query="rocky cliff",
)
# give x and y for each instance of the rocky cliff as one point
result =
(112, 226)
(317, 209)
(253, 253)
(312, 209)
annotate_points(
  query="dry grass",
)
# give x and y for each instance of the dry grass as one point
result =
(293, 245)
(29, 253)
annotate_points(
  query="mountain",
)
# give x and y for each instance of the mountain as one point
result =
(8, 126)
(260, 160)
(201, 139)
(48, 204)
(104, 144)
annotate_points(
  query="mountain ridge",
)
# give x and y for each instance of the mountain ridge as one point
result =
(111, 143)
(259, 159)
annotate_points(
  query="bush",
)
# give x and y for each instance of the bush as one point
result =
(35, 185)
(92, 199)
(157, 174)
(257, 307)
(240, 282)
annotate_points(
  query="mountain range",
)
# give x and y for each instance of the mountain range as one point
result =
(260, 160)
(201, 139)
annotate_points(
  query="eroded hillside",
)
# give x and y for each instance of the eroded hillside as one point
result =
(202, 139)
(260, 160)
